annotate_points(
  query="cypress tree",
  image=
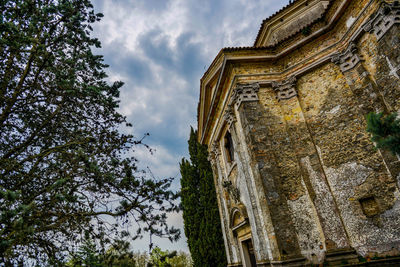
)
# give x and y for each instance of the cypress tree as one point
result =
(200, 210)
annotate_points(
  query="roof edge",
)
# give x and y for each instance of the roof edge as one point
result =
(291, 3)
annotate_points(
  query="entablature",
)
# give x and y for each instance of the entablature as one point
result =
(228, 58)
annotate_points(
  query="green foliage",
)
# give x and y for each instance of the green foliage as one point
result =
(88, 255)
(119, 255)
(181, 259)
(385, 131)
(65, 168)
(200, 210)
(159, 258)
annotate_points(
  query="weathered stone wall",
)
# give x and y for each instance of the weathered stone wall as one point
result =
(354, 169)
(309, 181)
(269, 163)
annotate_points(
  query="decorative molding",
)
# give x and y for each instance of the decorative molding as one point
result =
(214, 153)
(384, 19)
(231, 167)
(232, 190)
(285, 89)
(229, 116)
(244, 93)
(348, 59)
(238, 210)
(220, 62)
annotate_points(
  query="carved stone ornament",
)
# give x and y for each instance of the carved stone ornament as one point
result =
(285, 89)
(348, 59)
(232, 191)
(384, 19)
(214, 152)
(229, 116)
(244, 93)
(238, 217)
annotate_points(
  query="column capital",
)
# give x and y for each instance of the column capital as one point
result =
(348, 59)
(383, 19)
(244, 93)
(285, 89)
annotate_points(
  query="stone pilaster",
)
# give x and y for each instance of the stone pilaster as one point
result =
(358, 79)
(369, 94)
(229, 241)
(264, 170)
(381, 22)
(229, 117)
(247, 188)
(385, 25)
(308, 193)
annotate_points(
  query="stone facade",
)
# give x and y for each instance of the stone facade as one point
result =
(298, 180)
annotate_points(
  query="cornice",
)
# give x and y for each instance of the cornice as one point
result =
(223, 63)
(351, 35)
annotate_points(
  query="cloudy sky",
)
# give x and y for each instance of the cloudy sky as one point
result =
(160, 49)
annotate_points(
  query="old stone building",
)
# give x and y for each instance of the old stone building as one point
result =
(298, 179)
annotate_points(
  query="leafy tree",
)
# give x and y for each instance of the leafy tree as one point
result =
(88, 255)
(181, 259)
(385, 131)
(200, 210)
(119, 255)
(160, 258)
(65, 168)
(141, 258)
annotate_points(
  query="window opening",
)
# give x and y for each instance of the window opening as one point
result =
(229, 147)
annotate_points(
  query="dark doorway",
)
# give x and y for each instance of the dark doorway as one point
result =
(248, 251)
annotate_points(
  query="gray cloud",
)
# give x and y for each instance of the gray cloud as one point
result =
(160, 49)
